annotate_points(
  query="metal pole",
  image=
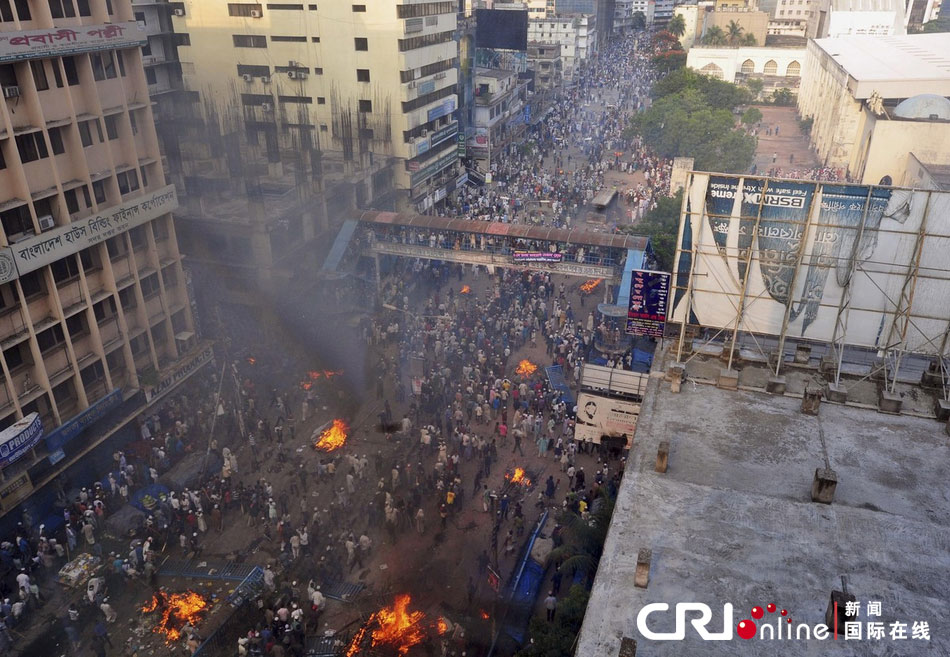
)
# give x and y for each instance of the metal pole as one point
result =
(748, 271)
(214, 418)
(678, 254)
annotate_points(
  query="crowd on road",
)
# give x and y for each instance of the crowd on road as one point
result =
(565, 158)
(818, 174)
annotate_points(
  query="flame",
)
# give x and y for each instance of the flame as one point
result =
(518, 477)
(442, 625)
(180, 608)
(313, 375)
(396, 627)
(306, 385)
(251, 360)
(484, 614)
(333, 437)
(332, 373)
(465, 289)
(591, 285)
(526, 368)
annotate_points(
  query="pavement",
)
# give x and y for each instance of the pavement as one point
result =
(788, 149)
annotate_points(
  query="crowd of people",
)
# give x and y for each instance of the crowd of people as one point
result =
(818, 174)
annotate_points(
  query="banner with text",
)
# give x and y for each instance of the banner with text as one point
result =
(646, 312)
(61, 41)
(602, 416)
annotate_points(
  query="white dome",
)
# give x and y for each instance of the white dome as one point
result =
(924, 106)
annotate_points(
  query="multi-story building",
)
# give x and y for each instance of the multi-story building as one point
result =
(94, 305)
(918, 12)
(872, 17)
(364, 85)
(575, 34)
(660, 12)
(545, 60)
(500, 101)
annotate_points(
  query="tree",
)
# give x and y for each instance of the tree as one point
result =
(661, 225)
(677, 25)
(639, 20)
(783, 96)
(748, 40)
(755, 86)
(734, 33)
(718, 93)
(557, 639)
(805, 125)
(583, 539)
(669, 61)
(751, 116)
(714, 37)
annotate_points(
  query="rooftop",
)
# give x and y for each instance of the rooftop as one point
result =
(894, 66)
(732, 521)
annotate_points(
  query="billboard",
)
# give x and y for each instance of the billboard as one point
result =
(646, 309)
(863, 264)
(602, 416)
(501, 28)
(19, 438)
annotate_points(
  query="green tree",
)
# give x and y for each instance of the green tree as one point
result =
(734, 33)
(805, 125)
(751, 116)
(748, 40)
(661, 225)
(783, 96)
(669, 61)
(677, 25)
(557, 639)
(639, 20)
(755, 86)
(717, 93)
(715, 36)
(583, 539)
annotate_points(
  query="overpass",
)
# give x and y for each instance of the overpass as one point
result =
(571, 252)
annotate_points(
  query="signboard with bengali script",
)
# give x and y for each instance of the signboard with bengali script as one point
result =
(60, 41)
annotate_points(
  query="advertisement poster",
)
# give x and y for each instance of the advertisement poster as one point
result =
(646, 313)
(19, 438)
(536, 256)
(602, 416)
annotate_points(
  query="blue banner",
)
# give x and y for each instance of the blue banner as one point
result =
(18, 439)
(75, 426)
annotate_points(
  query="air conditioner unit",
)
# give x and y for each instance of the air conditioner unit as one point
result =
(265, 79)
(247, 77)
(179, 12)
(12, 91)
(46, 222)
(255, 13)
(292, 75)
(267, 107)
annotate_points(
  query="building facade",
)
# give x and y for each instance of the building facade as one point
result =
(545, 61)
(777, 67)
(500, 102)
(95, 302)
(575, 34)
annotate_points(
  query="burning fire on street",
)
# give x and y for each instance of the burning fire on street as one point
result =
(314, 375)
(465, 290)
(333, 437)
(518, 477)
(251, 360)
(591, 285)
(180, 609)
(484, 614)
(526, 368)
(395, 627)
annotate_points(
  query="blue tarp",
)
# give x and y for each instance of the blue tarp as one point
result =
(339, 245)
(524, 589)
(635, 260)
(558, 382)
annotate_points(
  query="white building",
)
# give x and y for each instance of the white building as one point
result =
(874, 17)
(577, 36)
(623, 16)
(500, 99)
(776, 67)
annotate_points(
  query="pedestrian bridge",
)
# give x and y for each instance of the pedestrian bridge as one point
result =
(581, 253)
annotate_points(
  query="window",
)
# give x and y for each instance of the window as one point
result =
(109, 9)
(249, 41)
(256, 100)
(50, 338)
(103, 65)
(312, 7)
(289, 39)
(794, 70)
(99, 191)
(315, 39)
(160, 230)
(140, 17)
(366, 106)
(748, 67)
(359, 8)
(65, 269)
(144, 176)
(243, 9)
(133, 123)
(422, 101)
(56, 141)
(361, 43)
(182, 39)
(324, 128)
(425, 40)
(425, 9)
(139, 345)
(38, 66)
(362, 75)
(128, 181)
(32, 284)
(150, 286)
(301, 100)
(321, 100)
(366, 133)
(14, 357)
(169, 277)
(91, 374)
(112, 126)
(3, 162)
(318, 71)
(86, 197)
(8, 75)
(116, 246)
(57, 75)
(76, 326)
(83, 7)
(284, 7)
(31, 146)
(72, 201)
(115, 361)
(16, 221)
(105, 309)
(72, 75)
(771, 68)
(147, 49)
(254, 71)
(159, 334)
(127, 299)
(139, 240)
(62, 8)
(150, 77)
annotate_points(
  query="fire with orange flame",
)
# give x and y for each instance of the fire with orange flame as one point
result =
(526, 368)
(251, 360)
(484, 614)
(180, 608)
(465, 290)
(591, 285)
(333, 437)
(395, 627)
(518, 477)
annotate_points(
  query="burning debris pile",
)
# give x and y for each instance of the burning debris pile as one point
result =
(395, 628)
(315, 375)
(591, 285)
(518, 477)
(175, 611)
(333, 437)
(465, 290)
(526, 368)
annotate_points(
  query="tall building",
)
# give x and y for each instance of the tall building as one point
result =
(575, 34)
(94, 305)
(918, 12)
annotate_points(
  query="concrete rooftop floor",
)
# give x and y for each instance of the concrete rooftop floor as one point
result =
(732, 521)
